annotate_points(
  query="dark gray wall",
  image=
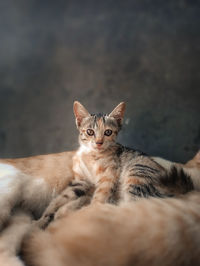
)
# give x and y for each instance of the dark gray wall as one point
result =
(146, 53)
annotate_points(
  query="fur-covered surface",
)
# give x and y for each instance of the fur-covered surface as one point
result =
(147, 232)
(150, 232)
(11, 238)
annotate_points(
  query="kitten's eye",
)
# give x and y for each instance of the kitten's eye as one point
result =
(90, 132)
(108, 132)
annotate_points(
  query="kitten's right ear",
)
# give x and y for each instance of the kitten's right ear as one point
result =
(80, 113)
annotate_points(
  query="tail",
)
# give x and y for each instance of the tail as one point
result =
(177, 181)
(11, 239)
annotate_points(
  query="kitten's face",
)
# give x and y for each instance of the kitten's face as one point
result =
(98, 132)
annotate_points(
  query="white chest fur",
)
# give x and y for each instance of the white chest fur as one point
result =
(84, 167)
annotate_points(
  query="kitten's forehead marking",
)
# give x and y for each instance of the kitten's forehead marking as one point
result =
(104, 120)
(97, 121)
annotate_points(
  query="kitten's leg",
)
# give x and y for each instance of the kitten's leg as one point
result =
(106, 186)
(11, 239)
(71, 193)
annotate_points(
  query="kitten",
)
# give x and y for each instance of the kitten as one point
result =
(150, 232)
(108, 165)
(115, 173)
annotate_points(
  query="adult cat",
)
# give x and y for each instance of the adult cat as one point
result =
(150, 232)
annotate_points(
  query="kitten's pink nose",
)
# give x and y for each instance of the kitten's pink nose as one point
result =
(99, 143)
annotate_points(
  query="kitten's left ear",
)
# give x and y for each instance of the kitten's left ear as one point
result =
(118, 113)
(80, 113)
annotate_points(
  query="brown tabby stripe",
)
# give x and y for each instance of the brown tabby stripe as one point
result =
(142, 174)
(145, 190)
(150, 169)
(133, 181)
(93, 119)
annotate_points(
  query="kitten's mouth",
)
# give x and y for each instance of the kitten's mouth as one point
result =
(99, 146)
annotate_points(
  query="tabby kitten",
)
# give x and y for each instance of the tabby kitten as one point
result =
(151, 232)
(115, 173)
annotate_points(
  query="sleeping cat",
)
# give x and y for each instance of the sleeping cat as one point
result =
(113, 173)
(153, 232)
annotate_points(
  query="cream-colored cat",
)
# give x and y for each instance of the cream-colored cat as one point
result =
(151, 232)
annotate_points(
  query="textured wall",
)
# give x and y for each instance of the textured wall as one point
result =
(146, 53)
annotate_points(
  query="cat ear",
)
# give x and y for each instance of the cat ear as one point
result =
(80, 112)
(118, 113)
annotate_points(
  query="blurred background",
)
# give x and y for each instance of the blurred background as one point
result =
(146, 53)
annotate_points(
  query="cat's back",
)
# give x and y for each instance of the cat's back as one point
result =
(55, 168)
(135, 159)
(127, 153)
